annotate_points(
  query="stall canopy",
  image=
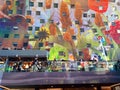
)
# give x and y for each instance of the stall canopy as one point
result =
(23, 53)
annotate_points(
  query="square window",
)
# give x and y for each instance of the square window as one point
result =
(17, 3)
(18, 19)
(74, 37)
(72, 5)
(98, 0)
(50, 44)
(64, 30)
(93, 15)
(84, 14)
(16, 36)
(113, 23)
(15, 44)
(29, 12)
(59, 37)
(19, 11)
(0, 43)
(111, 45)
(51, 21)
(15, 28)
(40, 44)
(94, 30)
(112, 0)
(31, 4)
(42, 20)
(4, 20)
(36, 36)
(81, 29)
(30, 28)
(76, 22)
(116, 16)
(25, 44)
(28, 20)
(40, 4)
(6, 35)
(106, 23)
(26, 36)
(10, 11)
(64, 14)
(80, 53)
(37, 28)
(88, 45)
(61, 53)
(8, 2)
(37, 12)
(55, 5)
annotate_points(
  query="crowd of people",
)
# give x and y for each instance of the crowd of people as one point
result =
(61, 66)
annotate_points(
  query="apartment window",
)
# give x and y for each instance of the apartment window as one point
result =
(37, 28)
(116, 16)
(0, 43)
(16, 36)
(111, 45)
(98, 0)
(93, 15)
(31, 4)
(40, 44)
(74, 37)
(36, 36)
(3, 20)
(25, 44)
(40, 4)
(15, 44)
(18, 20)
(6, 35)
(80, 53)
(64, 14)
(72, 5)
(26, 36)
(112, 0)
(61, 53)
(84, 14)
(51, 21)
(30, 28)
(76, 22)
(94, 30)
(60, 37)
(19, 11)
(28, 20)
(37, 12)
(50, 44)
(15, 28)
(17, 3)
(88, 45)
(55, 5)
(42, 20)
(81, 29)
(10, 11)
(113, 23)
(106, 23)
(64, 30)
(29, 12)
(8, 2)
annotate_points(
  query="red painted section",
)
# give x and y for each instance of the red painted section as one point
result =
(113, 32)
(95, 5)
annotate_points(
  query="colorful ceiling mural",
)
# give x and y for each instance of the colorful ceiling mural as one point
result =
(67, 29)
